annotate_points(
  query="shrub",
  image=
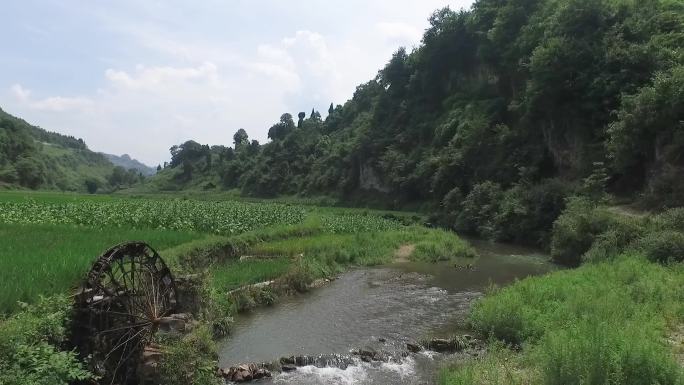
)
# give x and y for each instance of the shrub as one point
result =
(663, 246)
(621, 235)
(666, 189)
(190, 359)
(479, 208)
(29, 346)
(672, 219)
(575, 230)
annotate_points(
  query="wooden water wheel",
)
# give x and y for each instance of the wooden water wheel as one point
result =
(118, 309)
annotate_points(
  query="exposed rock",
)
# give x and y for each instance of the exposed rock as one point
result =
(318, 283)
(413, 348)
(452, 345)
(369, 179)
(288, 368)
(370, 355)
(244, 373)
(174, 324)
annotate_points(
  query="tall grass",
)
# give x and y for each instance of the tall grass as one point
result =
(371, 248)
(600, 324)
(48, 259)
(239, 273)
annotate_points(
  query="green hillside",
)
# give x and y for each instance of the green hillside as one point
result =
(31, 157)
(502, 112)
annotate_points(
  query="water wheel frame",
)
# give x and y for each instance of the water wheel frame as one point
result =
(127, 292)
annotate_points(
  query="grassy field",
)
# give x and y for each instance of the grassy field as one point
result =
(49, 240)
(46, 259)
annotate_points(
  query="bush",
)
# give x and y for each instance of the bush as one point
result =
(479, 208)
(663, 246)
(190, 359)
(526, 213)
(666, 189)
(522, 214)
(29, 346)
(575, 230)
(621, 235)
(672, 219)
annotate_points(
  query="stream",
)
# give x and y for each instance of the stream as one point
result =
(380, 308)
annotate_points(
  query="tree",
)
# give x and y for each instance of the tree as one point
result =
(281, 129)
(189, 150)
(331, 109)
(118, 176)
(92, 185)
(301, 116)
(31, 172)
(240, 138)
(159, 167)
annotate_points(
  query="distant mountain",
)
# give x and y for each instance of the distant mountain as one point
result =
(32, 157)
(128, 163)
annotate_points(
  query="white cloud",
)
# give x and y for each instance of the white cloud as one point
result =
(155, 77)
(53, 103)
(399, 31)
(21, 93)
(60, 103)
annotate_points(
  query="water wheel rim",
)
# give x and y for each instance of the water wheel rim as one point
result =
(125, 295)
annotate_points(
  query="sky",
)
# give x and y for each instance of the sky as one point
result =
(137, 77)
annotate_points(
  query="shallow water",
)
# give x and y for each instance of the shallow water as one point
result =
(397, 303)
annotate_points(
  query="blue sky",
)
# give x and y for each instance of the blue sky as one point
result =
(137, 77)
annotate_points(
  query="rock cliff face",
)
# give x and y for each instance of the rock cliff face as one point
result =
(369, 179)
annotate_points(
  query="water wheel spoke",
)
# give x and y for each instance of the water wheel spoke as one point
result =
(120, 344)
(131, 326)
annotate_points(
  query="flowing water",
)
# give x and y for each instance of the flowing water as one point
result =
(380, 308)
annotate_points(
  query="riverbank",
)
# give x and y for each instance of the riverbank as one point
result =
(604, 323)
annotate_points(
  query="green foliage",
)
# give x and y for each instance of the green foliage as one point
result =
(190, 359)
(600, 324)
(593, 352)
(649, 126)
(665, 246)
(235, 274)
(498, 367)
(29, 346)
(576, 229)
(522, 214)
(34, 158)
(46, 259)
(590, 232)
(508, 94)
(479, 209)
(226, 217)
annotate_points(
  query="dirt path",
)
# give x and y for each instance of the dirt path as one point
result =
(403, 253)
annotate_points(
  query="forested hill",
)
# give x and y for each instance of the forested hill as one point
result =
(129, 163)
(32, 157)
(499, 114)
